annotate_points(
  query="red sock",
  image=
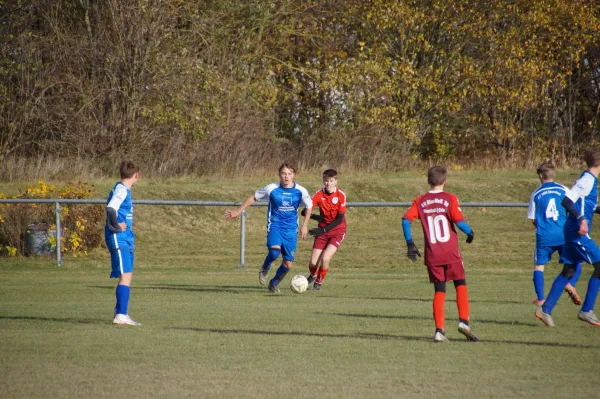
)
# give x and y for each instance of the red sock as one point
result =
(322, 274)
(462, 302)
(439, 300)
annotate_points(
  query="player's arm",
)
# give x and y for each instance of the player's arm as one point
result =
(459, 220)
(112, 209)
(412, 251)
(308, 204)
(316, 217)
(531, 210)
(235, 213)
(569, 206)
(317, 231)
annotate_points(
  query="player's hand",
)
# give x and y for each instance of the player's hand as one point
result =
(123, 226)
(317, 231)
(413, 252)
(583, 228)
(470, 237)
(231, 214)
(304, 232)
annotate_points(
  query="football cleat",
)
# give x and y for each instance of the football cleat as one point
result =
(311, 279)
(572, 293)
(262, 276)
(274, 289)
(589, 317)
(124, 319)
(465, 330)
(538, 302)
(440, 337)
(545, 317)
(317, 287)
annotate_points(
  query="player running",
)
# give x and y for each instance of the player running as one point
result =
(578, 247)
(332, 227)
(438, 212)
(548, 208)
(284, 199)
(120, 239)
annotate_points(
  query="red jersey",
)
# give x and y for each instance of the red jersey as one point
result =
(438, 211)
(330, 205)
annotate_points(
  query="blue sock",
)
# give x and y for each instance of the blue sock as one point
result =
(555, 292)
(280, 275)
(538, 284)
(122, 299)
(573, 280)
(271, 256)
(592, 294)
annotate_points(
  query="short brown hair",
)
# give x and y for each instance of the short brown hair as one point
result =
(128, 169)
(592, 157)
(329, 173)
(546, 170)
(287, 165)
(436, 175)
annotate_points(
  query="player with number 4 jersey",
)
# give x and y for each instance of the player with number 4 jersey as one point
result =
(439, 212)
(548, 208)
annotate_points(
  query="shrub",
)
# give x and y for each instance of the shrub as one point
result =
(81, 224)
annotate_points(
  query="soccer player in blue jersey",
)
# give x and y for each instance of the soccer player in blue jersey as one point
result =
(120, 239)
(284, 199)
(578, 248)
(548, 209)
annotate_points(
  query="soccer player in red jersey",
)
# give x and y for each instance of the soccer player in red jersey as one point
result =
(439, 212)
(332, 227)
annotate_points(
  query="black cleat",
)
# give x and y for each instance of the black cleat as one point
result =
(311, 279)
(274, 289)
(317, 287)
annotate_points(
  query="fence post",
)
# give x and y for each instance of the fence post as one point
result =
(58, 253)
(242, 263)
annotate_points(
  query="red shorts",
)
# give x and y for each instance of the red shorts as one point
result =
(334, 238)
(450, 272)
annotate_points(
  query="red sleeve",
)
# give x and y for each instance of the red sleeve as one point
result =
(413, 211)
(342, 203)
(456, 215)
(316, 199)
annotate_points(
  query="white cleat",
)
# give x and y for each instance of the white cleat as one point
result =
(465, 330)
(545, 317)
(124, 319)
(589, 317)
(440, 337)
(262, 276)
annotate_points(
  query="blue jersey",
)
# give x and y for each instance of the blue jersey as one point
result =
(545, 207)
(120, 200)
(584, 195)
(282, 213)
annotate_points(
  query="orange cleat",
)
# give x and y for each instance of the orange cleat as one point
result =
(572, 293)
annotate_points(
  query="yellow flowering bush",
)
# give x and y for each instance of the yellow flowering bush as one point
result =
(81, 224)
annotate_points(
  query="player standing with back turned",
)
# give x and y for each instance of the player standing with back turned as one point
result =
(438, 212)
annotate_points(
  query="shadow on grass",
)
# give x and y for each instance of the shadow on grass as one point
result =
(229, 289)
(57, 320)
(388, 337)
(374, 316)
(420, 299)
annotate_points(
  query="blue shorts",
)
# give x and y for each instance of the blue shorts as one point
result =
(121, 255)
(581, 249)
(287, 242)
(543, 255)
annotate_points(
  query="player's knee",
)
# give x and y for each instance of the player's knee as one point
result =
(596, 273)
(458, 283)
(287, 263)
(538, 268)
(440, 286)
(568, 270)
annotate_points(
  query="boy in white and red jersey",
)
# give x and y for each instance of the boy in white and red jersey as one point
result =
(438, 212)
(332, 227)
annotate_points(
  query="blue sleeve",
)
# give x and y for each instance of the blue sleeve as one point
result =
(406, 230)
(464, 227)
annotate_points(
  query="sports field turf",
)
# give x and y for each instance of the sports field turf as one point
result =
(210, 330)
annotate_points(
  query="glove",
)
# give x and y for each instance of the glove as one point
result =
(413, 252)
(470, 237)
(317, 231)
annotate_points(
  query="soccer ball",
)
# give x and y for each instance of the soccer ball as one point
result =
(299, 284)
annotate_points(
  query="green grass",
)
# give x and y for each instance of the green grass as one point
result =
(210, 330)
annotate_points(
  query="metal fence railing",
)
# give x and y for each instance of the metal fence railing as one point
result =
(58, 201)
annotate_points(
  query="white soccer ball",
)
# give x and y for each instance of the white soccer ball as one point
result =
(299, 284)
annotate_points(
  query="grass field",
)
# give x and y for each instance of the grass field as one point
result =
(210, 330)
